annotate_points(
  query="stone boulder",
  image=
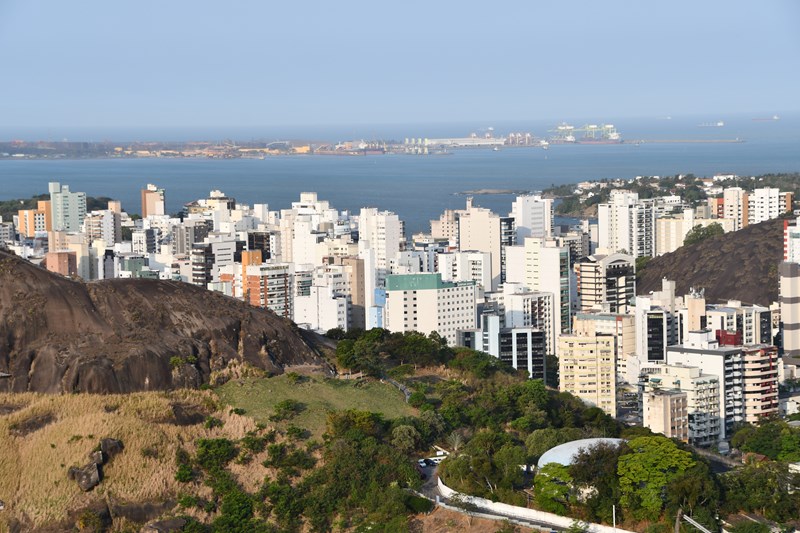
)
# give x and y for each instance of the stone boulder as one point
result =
(110, 448)
(87, 477)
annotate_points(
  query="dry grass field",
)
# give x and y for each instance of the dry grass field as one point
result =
(34, 460)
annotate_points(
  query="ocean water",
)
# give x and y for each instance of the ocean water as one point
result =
(419, 188)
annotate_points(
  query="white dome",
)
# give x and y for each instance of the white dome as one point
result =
(564, 454)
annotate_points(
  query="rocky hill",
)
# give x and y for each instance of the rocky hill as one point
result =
(741, 265)
(116, 336)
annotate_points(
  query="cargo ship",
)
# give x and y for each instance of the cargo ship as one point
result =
(592, 134)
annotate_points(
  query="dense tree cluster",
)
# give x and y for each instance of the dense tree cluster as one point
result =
(497, 423)
(774, 438)
(700, 233)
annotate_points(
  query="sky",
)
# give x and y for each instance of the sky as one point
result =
(201, 64)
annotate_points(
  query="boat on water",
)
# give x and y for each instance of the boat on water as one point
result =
(767, 119)
(592, 134)
(717, 124)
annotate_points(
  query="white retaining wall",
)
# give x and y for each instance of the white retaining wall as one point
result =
(523, 513)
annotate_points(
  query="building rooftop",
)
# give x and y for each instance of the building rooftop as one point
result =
(564, 454)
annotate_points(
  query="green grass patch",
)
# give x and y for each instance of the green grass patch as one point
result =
(259, 397)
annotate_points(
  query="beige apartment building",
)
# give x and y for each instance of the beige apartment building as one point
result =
(665, 411)
(36, 220)
(587, 368)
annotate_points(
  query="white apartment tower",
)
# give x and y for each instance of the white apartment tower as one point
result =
(767, 203)
(68, 208)
(736, 206)
(533, 216)
(540, 265)
(425, 303)
(479, 229)
(627, 224)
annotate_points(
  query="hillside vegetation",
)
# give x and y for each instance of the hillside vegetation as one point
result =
(741, 265)
(313, 398)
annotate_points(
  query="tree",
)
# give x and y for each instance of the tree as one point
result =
(551, 488)
(645, 472)
(765, 488)
(405, 438)
(455, 440)
(510, 460)
(594, 470)
(700, 233)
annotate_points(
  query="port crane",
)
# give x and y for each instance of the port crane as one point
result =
(603, 131)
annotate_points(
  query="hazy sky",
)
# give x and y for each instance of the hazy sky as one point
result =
(153, 64)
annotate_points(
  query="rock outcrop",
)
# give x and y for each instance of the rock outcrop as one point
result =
(741, 265)
(125, 335)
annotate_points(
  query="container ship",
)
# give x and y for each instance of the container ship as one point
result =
(592, 134)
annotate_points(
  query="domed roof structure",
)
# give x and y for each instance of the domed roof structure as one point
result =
(564, 454)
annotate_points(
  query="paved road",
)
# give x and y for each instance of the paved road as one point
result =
(430, 489)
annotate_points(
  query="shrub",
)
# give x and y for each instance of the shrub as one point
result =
(214, 453)
(212, 422)
(296, 432)
(175, 362)
(187, 500)
(253, 443)
(286, 409)
(416, 399)
(184, 474)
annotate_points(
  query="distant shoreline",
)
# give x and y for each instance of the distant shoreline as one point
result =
(478, 192)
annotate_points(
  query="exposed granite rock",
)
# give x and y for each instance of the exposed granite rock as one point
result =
(139, 513)
(125, 335)
(110, 448)
(741, 265)
(87, 477)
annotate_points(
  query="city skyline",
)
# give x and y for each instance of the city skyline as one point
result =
(253, 66)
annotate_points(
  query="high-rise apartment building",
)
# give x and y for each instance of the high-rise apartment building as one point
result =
(665, 411)
(702, 398)
(606, 282)
(33, 221)
(425, 303)
(736, 206)
(480, 229)
(627, 224)
(748, 376)
(620, 326)
(587, 369)
(790, 310)
(521, 348)
(543, 266)
(533, 216)
(767, 203)
(152, 201)
(68, 208)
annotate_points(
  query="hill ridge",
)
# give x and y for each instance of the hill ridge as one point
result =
(740, 265)
(125, 335)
